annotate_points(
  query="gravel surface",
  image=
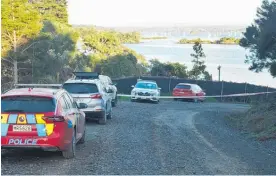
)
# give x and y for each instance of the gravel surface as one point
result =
(146, 139)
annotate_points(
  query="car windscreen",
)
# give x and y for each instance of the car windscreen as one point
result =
(81, 88)
(182, 86)
(27, 104)
(146, 85)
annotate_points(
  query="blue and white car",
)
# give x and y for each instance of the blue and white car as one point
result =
(145, 90)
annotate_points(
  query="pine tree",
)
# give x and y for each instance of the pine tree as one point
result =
(198, 70)
(20, 21)
(52, 10)
(260, 39)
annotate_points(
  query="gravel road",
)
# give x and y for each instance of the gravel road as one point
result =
(166, 138)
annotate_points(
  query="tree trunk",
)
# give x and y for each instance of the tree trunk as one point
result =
(15, 70)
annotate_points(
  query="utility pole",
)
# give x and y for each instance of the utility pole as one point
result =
(219, 67)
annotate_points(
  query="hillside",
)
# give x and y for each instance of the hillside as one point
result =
(183, 30)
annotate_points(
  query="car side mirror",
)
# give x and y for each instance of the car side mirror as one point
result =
(82, 105)
(132, 86)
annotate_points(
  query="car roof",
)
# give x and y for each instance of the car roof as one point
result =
(92, 81)
(43, 92)
(188, 84)
(145, 81)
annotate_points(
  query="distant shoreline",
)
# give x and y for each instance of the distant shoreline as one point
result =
(222, 41)
(153, 38)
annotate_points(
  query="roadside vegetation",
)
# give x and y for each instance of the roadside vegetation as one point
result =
(224, 40)
(260, 40)
(259, 121)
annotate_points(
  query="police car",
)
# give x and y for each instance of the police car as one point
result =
(45, 118)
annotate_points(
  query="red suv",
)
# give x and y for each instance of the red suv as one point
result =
(189, 90)
(43, 118)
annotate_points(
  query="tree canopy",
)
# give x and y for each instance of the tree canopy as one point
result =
(52, 10)
(20, 21)
(199, 68)
(260, 39)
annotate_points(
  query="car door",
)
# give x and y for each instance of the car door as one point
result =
(74, 115)
(80, 116)
(65, 111)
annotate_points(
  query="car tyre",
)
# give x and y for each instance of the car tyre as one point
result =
(156, 102)
(114, 103)
(102, 120)
(82, 140)
(71, 151)
(109, 116)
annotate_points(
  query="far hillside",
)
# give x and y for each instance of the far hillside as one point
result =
(224, 40)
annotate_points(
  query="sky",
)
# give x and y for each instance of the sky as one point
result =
(118, 13)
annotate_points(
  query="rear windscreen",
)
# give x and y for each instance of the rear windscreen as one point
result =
(80, 88)
(27, 104)
(183, 86)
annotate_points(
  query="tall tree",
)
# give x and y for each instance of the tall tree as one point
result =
(52, 10)
(260, 39)
(199, 68)
(20, 21)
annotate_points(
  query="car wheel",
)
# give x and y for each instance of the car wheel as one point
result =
(114, 103)
(71, 151)
(156, 102)
(109, 116)
(102, 120)
(82, 140)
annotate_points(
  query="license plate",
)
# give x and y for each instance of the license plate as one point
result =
(22, 128)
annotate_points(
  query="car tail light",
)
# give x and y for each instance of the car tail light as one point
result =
(96, 96)
(53, 118)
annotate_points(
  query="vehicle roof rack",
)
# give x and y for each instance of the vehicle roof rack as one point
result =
(86, 75)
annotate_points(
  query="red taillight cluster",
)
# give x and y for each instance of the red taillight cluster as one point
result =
(53, 119)
(96, 96)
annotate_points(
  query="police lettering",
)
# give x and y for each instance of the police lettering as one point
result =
(23, 141)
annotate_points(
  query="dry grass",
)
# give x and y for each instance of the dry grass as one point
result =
(260, 120)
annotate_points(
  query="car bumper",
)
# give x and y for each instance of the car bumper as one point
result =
(51, 143)
(151, 98)
(189, 97)
(94, 114)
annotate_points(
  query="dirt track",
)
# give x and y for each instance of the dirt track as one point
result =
(165, 138)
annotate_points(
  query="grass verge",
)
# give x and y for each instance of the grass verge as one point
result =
(259, 121)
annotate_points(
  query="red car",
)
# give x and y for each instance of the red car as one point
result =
(189, 90)
(43, 118)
